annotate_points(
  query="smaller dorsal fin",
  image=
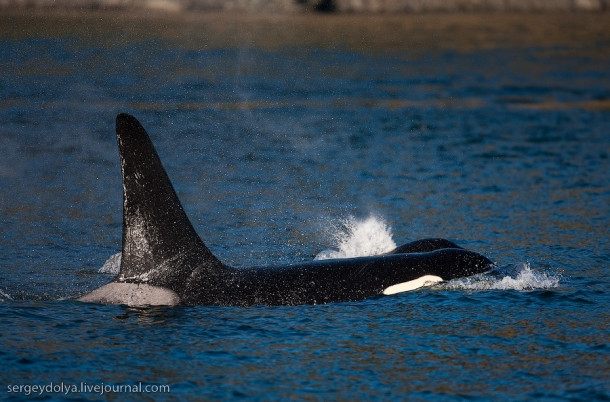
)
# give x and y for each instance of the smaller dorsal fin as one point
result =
(160, 245)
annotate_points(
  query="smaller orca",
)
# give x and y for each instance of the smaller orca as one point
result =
(165, 262)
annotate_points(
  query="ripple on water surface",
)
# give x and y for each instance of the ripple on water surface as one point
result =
(483, 133)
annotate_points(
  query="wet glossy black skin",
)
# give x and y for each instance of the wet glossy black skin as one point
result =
(161, 248)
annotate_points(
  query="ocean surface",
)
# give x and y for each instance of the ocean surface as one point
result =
(342, 140)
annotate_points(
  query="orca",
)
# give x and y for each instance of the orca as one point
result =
(165, 262)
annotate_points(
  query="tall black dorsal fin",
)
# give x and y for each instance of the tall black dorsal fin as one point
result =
(160, 245)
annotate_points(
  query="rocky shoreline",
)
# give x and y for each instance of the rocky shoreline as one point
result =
(302, 6)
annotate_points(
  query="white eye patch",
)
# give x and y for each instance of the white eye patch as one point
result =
(425, 280)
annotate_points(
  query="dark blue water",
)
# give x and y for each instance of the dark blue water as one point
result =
(504, 150)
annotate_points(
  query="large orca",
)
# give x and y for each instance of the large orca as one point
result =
(165, 262)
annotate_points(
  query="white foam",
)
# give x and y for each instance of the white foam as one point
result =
(112, 265)
(360, 238)
(5, 296)
(522, 278)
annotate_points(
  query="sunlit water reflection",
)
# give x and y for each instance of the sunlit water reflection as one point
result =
(501, 148)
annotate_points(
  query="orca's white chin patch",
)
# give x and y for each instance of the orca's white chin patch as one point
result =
(425, 280)
(132, 294)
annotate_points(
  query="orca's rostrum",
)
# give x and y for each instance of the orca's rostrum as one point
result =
(165, 262)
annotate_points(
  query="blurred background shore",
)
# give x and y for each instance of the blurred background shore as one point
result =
(303, 6)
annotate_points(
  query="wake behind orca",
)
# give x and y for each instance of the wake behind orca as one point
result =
(165, 262)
